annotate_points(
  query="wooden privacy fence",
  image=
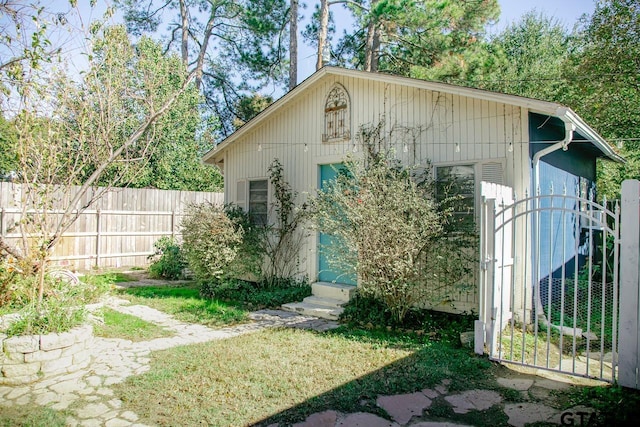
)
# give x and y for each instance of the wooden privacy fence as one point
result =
(117, 230)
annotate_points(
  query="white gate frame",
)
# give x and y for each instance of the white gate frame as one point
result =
(493, 195)
(497, 277)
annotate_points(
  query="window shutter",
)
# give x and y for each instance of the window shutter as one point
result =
(492, 172)
(241, 194)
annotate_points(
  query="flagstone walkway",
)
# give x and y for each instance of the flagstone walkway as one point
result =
(88, 395)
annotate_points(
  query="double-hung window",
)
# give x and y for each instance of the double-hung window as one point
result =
(458, 188)
(455, 190)
(259, 201)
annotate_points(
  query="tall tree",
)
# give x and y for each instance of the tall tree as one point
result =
(319, 30)
(99, 130)
(293, 44)
(396, 36)
(178, 138)
(605, 68)
(322, 32)
(527, 59)
(240, 46)
(372, 44)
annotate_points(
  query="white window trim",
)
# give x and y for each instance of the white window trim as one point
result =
(249, 181)
(244, 204)
(477, 177)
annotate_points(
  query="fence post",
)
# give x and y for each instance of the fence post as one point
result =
(173, 224)
(2, 222)
(629, 333)
(98, 246)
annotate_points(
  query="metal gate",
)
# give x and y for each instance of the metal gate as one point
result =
(549, 282)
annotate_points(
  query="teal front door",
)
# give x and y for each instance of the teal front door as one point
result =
(327, 273)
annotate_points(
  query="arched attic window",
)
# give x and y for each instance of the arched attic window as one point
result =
(337, 115)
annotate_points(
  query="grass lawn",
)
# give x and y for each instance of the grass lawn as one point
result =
(108, 278)
(126, 326)
(185, 303)
(31, 416)
(284, 375)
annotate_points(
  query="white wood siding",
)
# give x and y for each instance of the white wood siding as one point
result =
(430, 123)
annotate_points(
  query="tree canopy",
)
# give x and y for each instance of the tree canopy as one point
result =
(593, 69)
(398, 36)
(239, 50)
(605, 69)
(175, 142)
(144, 76)
(241, 45)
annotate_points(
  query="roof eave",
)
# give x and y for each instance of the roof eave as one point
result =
(535, 105)
(585, 130)
(211, 156)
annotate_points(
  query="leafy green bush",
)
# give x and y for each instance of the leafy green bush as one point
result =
(257, 295)
(167, 262)
(248, 263)
(224, 243)
(211, 241)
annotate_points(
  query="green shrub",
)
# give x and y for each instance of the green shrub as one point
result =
(388, 229)
(167, 262)
(257, 295)
(211, 241)
(248, 263)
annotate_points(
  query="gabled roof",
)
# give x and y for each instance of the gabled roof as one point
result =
(534, 105)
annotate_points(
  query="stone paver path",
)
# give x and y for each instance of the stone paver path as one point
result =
(89, 396)
(412, 410)
(113, 360)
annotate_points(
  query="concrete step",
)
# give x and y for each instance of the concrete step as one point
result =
(325, 302)
(323, 312)
(332, 290)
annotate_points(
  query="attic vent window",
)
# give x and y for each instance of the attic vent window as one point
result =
(337, 123)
